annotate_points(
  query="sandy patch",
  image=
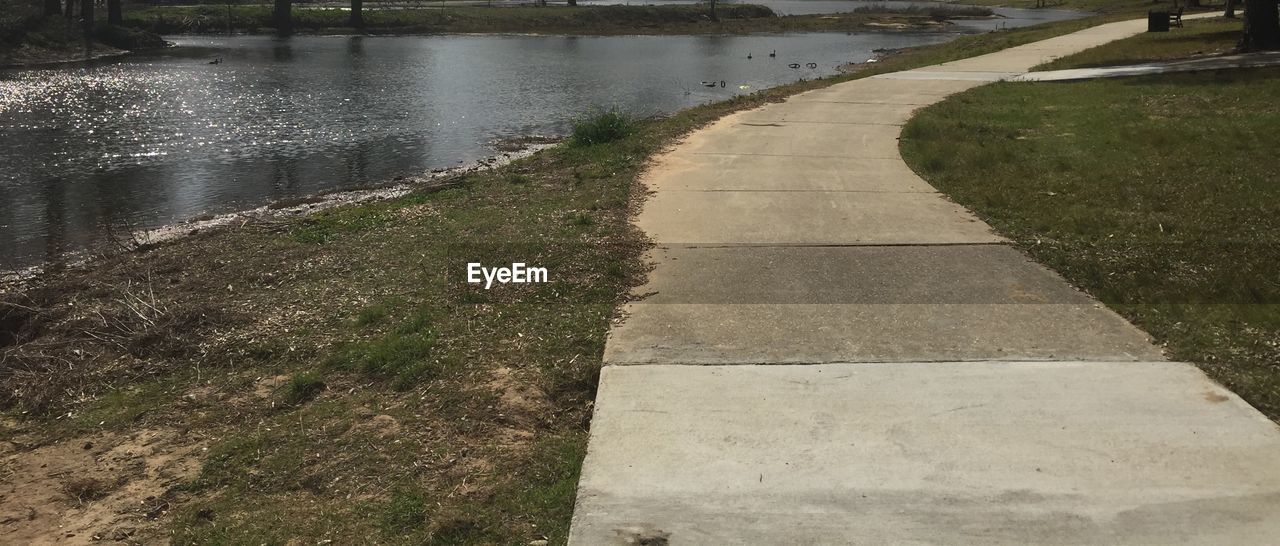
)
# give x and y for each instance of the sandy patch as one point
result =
(101, 487)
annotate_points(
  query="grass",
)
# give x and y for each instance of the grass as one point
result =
(302, 388)
(602, 20)
(405, 512)
(469, 403)
(1197, 38)
(404, 356)
(602, 128)
(1153, 194)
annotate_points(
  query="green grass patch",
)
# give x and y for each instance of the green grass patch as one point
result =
(321, 227)
(302, 388)
(373, 315)
(404, 356)
(1198, 37)
(405, 512)
(601, 128)
(1153, 194)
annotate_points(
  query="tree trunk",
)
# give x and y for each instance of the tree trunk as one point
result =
(1261, 25)
(283, 17)
(86, 16)
(357, 14)
(714, 17)
(573, 2)
(1230, 11)
(115, 15)
(52, 7)
(71, 9)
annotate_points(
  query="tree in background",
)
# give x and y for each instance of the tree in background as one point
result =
(1261, 25)
(283, 17)
(86, 16)
(52, 7)
(115, 14)
(1230, 10)
(714, 17)
(357, 14)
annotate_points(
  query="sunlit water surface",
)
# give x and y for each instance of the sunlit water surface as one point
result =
(151, 140)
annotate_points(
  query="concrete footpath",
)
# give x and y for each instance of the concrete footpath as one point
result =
(833, 353)
(1225, 62)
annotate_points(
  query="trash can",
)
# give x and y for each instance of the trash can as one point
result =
(1157, 21)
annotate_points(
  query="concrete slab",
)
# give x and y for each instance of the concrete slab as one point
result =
(953, 274)
(1226, 62)
(818, 112)
(948, 75)
(725, 172)
(809, 218)
(744, 333)
(887, 91)
(1011, 62)
(941, 453)
(800, 139)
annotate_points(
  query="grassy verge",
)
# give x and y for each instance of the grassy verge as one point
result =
(1154, 194)
(1197, 38)
(601, 20)
(329, 378)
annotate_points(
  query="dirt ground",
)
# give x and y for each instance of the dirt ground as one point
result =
(100, 487)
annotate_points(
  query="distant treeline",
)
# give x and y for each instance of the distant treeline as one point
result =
(204, 19)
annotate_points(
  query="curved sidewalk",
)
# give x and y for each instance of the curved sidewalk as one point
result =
(832, 352)
(1225, 62)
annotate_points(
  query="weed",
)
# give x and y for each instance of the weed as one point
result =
(601, 128)
(84, 490)
(302, 388)
(372, 315)
(580, 219)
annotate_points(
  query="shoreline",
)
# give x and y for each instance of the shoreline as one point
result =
(47, 58)
(292, 207)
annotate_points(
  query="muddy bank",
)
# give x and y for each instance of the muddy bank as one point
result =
(57, 40)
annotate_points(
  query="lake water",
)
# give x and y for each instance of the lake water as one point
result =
(155, 139)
